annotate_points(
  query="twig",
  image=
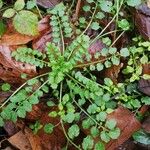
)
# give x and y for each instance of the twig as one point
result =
(77, 10)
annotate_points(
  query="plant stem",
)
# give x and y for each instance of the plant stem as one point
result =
(97, 37)
(90, 20)
(21, 88)
(62, 124)
(117, 38)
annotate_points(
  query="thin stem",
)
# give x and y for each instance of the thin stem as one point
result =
(90, 20)
(21, 88)
(97, 37)
(34, 92)
(60, 93)
(117, 12)
(62, 124)
(90, 63)
(38, 11)
(62, 38)
(75, 80)
(117, 38)
(71, 6)
(89, 116)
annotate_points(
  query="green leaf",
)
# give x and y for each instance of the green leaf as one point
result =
(99, 146)
(31, 4)
(111, 124)
(134, 3)
(19, 5)
(52, 114)
(1, 4)
(6, 87)
(73, 131)
(144, 59)
(124, 52)
(1, 122)
(114, 134)
(94, 131)
(99, 67)
(69, 117)
(104, 52)
(101, 116)
(48, 128)
(27, 106)
(142, 137)
(26, 22)
(9, 13)
(21, 112)
(124, 24)
(95, 26)
(108, 82)
(146, 76)
(2, 28)
(50, 103)
(112, 50)
(87, 143)
(65, 98)
(104, 136)
(106, 6)
(107, 64)
(115, 60)
(86, 8)
(146, 100)
(100, 15)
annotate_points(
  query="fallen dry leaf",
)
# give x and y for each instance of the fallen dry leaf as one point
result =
(20, 141)
(146, 125)
(144, 86)
(12, 37)
(128, 124)
(48, 3)
(10, 128)
(142, 21)
(56, 140)
(45, 34)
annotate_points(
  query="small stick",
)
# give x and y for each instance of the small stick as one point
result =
(77, 10)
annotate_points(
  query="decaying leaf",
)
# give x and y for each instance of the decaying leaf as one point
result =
(142, 21)
(128, 124)
(20, 141)
(56, 140)
(45, 34)
(48, 3)
(144, 85)
(25, 140)
(12, 37)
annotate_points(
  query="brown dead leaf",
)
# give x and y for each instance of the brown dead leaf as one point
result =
(144, 86)
(33, 139)
(11, 70)
(20, 141)
(45, 34)
(48, 3)
(56, 140)
(128, 124)
(12, 37)
(146, 125)
(96, 46)
(142, 21)
(25, 140)
(10, 128)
